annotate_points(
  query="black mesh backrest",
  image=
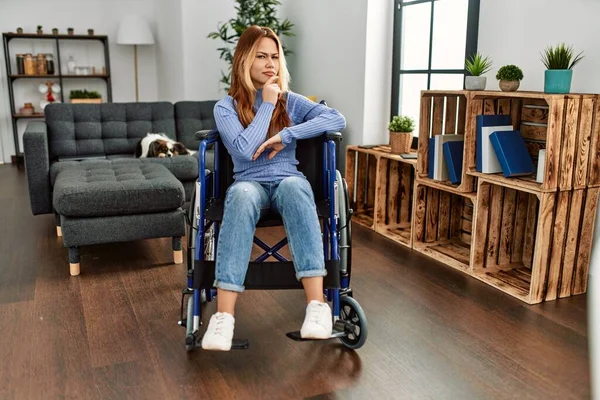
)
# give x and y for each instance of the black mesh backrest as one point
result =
(309, 153)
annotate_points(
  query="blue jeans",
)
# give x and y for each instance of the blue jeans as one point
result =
(245, 203)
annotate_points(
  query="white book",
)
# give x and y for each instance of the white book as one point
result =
(440, 170)
(541, 166)
(489, 161)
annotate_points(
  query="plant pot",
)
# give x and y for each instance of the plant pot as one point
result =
(86, 101)
(19, 31)
(509, 86)
(557, 80)
(475, 82)
(70, 32)
(40, 32)
(400, 142)
(91, 32)
(55, 31)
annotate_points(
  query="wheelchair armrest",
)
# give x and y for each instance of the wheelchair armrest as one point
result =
(207, 134)
(336, 136)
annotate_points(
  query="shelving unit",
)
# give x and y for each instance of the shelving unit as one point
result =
(532, 240)
(57, 39)
(381, 191)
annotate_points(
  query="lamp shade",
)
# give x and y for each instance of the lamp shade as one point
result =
(134, 29)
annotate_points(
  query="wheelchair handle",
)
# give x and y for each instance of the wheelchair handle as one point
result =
(206, 134)
(336, 136)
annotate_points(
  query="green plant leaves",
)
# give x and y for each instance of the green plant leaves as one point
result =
(560, 57)
(478, 65)
(401, 123)
(509, 73)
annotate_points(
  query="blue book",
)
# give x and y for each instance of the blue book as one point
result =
(512, 153)
(453, 154)
(482, 143)
(431, 158)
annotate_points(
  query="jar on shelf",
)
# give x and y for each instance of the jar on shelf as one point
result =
(28, 64)
(41, 67)
(20, 64)
(50, 64)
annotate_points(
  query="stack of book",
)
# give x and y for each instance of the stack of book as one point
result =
(446, 157)
(500, 148)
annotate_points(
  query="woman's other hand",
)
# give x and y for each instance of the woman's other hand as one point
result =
(273, 143)
(271, 90)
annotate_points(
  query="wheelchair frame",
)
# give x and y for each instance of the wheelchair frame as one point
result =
(350, 324)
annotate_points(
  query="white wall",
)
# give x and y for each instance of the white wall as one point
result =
(102, 15)
(201, 62)
(169, 49)
(502, 36)
(378, 71)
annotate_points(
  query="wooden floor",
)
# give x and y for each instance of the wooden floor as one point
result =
(112, 332)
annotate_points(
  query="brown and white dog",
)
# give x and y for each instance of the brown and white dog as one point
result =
(159, 145)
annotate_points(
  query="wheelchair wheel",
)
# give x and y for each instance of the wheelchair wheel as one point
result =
(355, 323)
(345, 230)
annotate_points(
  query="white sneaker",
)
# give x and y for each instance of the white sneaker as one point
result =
(318, 322)
(219, 333)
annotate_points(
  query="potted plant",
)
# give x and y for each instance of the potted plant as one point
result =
(39, 30)
(55, 31)
(401, 129)
(91, 32)
(20, 30)
(83, 96)
(477, 65)
(559, 62)
(510, 78)
(70, 31)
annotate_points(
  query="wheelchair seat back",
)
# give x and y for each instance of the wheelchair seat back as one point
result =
(309, 153)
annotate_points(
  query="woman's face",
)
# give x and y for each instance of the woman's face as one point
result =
(266, 62)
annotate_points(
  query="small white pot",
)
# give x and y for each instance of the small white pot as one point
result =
(475, 82)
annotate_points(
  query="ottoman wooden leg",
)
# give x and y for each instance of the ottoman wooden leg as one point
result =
(58, 228)
(177, 251)
(74, 260)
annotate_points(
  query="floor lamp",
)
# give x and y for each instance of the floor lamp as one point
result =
(135, 30)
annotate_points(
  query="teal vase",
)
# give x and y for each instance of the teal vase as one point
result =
(557, 80)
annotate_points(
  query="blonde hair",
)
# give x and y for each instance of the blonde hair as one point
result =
(242, 89)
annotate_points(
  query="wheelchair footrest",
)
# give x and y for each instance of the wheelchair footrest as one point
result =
(240, 344)
(296, 336)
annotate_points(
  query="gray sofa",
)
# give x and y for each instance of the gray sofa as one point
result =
(80, 166)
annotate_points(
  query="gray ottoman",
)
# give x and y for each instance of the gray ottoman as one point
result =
(116, 203)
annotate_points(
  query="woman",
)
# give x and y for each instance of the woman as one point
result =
(259, 123)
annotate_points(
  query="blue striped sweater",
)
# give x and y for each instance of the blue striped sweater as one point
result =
(308, 119)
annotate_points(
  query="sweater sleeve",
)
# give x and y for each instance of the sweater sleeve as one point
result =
(242, 142)
(311, 119)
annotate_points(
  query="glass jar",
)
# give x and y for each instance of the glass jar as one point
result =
(41, 67)
(28, 64)
(20, 64)
(50, 64)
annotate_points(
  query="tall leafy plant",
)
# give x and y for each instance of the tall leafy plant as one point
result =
(249, 12)
(560, 57)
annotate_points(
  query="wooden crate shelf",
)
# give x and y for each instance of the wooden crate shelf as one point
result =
(380, 185)
(442, 113)
(566, 126)
(442, 225)
(535, 247)
(531, 240)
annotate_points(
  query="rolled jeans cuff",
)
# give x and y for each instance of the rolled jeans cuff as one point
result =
(229, 286)
(311, 273)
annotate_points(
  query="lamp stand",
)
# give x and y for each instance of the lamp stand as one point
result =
(136, 73)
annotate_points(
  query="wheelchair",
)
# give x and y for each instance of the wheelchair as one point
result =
(317, 160)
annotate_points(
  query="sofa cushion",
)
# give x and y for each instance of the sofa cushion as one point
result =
(94, 190)
(109, 128)
(184, 168)
(191, 117)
